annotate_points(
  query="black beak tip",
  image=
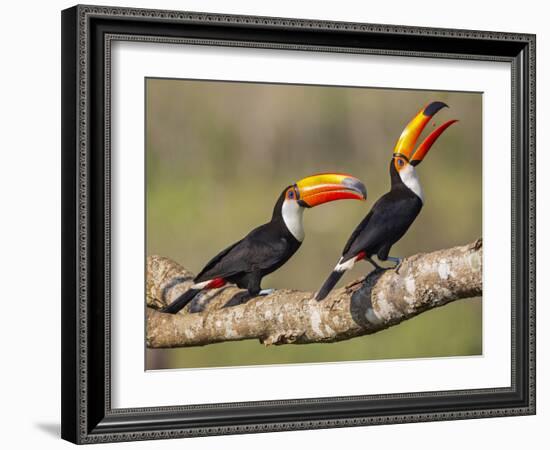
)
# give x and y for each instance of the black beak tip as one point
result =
(356, 186)
(434, 107)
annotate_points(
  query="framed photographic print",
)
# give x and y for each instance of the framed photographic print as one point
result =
(281, 224)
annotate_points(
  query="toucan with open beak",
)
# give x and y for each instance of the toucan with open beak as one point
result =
(271, 245)
(392, 215)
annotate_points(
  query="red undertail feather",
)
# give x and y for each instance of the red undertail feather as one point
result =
(215, 283)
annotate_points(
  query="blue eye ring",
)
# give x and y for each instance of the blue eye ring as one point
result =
(290, 194)
(400, 162)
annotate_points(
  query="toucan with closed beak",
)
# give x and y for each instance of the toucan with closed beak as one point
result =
(269, 246)
(392, 215)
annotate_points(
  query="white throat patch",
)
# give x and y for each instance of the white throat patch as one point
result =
(410, 179)
(293, 216)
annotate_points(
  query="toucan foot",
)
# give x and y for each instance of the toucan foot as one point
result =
(397, 261)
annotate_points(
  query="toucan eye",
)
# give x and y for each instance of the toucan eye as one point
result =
(291, 194)
(400, 162)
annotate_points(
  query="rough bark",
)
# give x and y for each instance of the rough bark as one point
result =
(365, 306)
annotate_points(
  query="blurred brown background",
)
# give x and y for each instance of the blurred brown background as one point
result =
(219, 154)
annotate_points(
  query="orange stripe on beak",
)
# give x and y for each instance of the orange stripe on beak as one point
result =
(327, 187)
(424, 148)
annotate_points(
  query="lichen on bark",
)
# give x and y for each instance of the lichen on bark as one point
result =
(376, 302)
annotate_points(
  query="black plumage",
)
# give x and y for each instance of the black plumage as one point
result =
(260, 252)
(393, 214)
(246, 262)
(386, 223)
(269, 246)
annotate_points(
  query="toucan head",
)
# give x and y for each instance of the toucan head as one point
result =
(313, 191)
(404, 154)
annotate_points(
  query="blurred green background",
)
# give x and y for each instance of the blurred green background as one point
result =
(220, 153)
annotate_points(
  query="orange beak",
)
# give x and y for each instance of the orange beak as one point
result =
(406, 142)
(328, 187)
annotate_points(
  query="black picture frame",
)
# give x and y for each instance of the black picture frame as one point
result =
(87, 415)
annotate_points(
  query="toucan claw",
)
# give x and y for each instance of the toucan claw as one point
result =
(397, 261)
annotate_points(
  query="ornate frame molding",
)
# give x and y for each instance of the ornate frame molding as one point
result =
(88, 32)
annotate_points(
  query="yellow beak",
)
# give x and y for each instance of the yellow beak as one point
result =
(327, 187)
(406, 142)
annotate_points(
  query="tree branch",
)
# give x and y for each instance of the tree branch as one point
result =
(365, 306)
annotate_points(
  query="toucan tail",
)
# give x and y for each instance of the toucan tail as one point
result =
(329, 283)
(181, 301)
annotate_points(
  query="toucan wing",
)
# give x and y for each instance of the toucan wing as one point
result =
(211, 265)
(386, 218)
(351, 245)
(259, 250)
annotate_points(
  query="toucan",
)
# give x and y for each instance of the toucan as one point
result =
(392, 215)
(269, 246)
